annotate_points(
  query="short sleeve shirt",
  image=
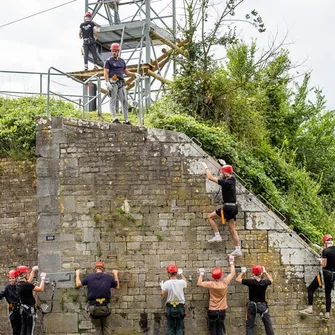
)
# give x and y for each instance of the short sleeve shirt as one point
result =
(115, 66)
(10, 293)
(217, 294)
(99, 285)
(175, 290)
(25, 292)
(87, 29)
(228, 187)
(329, 254)
(256, 289)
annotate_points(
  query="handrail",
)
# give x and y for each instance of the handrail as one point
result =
(83, 83)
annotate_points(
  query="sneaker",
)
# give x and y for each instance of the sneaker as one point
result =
(128, 123)
(86, 68)
(116, 121)
(327, 315)
(215, 239)
(236, 252)
(95, 67)
(306, 311)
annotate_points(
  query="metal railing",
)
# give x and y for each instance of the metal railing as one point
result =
(86, 98)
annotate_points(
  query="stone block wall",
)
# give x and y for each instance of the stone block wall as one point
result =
(18, 223)
(137, 198)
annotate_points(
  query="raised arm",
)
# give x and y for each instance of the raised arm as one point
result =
(240, 276)
(78, 281)
(208, 174)
(116, 278)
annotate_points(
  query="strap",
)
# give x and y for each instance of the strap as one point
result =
(222, 216)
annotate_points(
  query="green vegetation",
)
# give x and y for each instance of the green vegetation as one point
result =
(281, 144)
(247, 110)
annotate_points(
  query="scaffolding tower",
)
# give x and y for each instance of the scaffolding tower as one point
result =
(139, 26)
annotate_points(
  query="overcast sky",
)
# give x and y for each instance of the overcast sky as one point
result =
(51, 39)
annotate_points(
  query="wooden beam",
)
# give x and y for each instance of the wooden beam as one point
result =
(153, 33)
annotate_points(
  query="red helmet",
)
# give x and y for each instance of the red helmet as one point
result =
(172, 268)
(257, 270)
(88, 14)
(12, 273)
(115, 46)
(216, 273)
(227, 169)
(99, 264)
(22, 269)
(326, 238)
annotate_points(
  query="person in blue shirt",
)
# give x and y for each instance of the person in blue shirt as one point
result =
(114, 70)
(99, 286)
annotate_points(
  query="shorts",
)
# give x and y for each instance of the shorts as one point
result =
(230, 211)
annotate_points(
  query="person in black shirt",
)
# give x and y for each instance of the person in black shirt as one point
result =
(89, 31)
(229, 209)
(99, 285)
(11, 295)
(327, 275)
(257, 303)
(27, 301)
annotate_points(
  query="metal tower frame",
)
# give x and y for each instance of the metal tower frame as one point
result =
(138, 26)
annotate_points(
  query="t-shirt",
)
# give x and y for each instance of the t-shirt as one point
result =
(115, 66)
(228, 187)
(87, 29)
(329, 254)
(175, 290)
(99, 285)
(217, 294)
(25, 291)
(10, 293)
(256, 288)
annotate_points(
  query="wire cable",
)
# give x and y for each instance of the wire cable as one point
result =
(29, 16)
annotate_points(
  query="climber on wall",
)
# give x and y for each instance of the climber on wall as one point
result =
(27, 301)
(173, 292)
(217, 297)
(328, 275)
(257, 303)
(229, 209)
(99, 285)
(10, 294)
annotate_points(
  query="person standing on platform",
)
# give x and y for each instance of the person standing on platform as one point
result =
(88, 31)
(114, 70)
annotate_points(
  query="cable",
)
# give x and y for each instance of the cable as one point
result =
(44, 11)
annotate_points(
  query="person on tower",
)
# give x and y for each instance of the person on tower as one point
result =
(229, 210)
(12, 297)
(327, 274)
(88, 31)
(114, 70)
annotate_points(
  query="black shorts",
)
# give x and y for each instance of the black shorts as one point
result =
(230, 211)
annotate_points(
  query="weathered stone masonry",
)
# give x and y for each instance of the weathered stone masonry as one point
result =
(138, 199)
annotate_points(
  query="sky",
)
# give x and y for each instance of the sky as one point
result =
(51, 39)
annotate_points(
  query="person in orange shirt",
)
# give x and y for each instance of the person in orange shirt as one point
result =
(217, 297)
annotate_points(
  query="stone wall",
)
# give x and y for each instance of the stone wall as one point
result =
(137, 199)
(18, 223)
